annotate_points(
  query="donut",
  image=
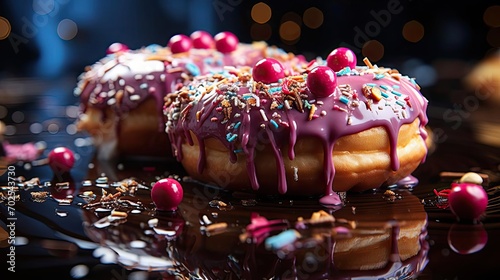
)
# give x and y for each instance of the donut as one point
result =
(299, 132)
(121, 95)
(484, 79)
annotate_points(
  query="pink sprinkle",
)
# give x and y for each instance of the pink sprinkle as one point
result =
(214, 119)
(152, 89)
(218, 109)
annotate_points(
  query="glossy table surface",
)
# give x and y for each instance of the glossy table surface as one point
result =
(52, 239)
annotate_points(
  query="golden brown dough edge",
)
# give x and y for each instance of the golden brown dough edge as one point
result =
(138, 133)
(362, 161)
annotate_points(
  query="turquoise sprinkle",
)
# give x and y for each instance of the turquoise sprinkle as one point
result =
(384, 87)
(385, 95)
(400, 103)
(344, 71)
(237, 125)
(379, 76)
(344, 99)
(275, 124)
(396, 93)
(238, 151)
(143, 86)
(307, 105)
(280, 106)
(153, 48)
(371, 84)
(280, 240)
(231, 137)
(193, 69)
(395, 86)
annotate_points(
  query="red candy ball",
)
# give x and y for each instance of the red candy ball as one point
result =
(322, 81)
(167, 194)
(467, 201)
(202, 40)
(340, 58)
(226, 42)
(467, 239)
(116, 47)
(268, 70)
(61, 159)
(180, 43)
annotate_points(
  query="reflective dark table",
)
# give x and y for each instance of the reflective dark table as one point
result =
(53, 238)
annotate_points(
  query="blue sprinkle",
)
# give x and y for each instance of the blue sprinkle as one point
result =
(395, 86)
(396, 93)
(193, 69)
(344, 99)
(238, 151)
(219, 62)
(281, 240)
(385, 95)
(274, 123)
(153, 48)
(400, 103)
(280, 106)
(231, 137)
(384, 87)
(379, 76)
(344, 71)
(237, 125)
(371, 84)
(143, 86)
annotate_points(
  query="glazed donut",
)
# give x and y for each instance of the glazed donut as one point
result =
(122, 94)
(306, 133)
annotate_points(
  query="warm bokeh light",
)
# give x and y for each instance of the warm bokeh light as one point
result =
(491, 16)
(261, 12)
(493, 37)
(313, 17)
(289, 31)
(67, 29)
(5, 28)
(261, 32)
(413, 31)
(374, 50)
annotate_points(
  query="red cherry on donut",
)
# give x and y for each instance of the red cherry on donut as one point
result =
(61, 159)
(467, 238)
(180, 43)
(116, 47)
(340, 58)
(202, 40)
(321, 81)
(226, 42)
(167, 194)
(467, 201)
(268, 70)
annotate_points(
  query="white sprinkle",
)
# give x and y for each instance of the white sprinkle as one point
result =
(138, 77)
(295, 174)
(263, 114)
(111, 93)
(162, 77)
(121, 82)
(135, 97)
(323, 113)
(111, 101)
(150, 77)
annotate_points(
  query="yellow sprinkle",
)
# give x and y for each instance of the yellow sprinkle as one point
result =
(367, 62)
(312, 111)
(375, 93)
(198, 114)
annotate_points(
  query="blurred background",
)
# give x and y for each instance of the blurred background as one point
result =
(45, 44)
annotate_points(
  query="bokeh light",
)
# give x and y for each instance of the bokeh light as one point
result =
(491, 16)
(290, 31)
(261, 12)
(17, 117)
(67, 29)
(493, 37)
(374, 50)
(36, 128)
(413, 31)
(313, 17)
(261, 32)
(5, 28)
